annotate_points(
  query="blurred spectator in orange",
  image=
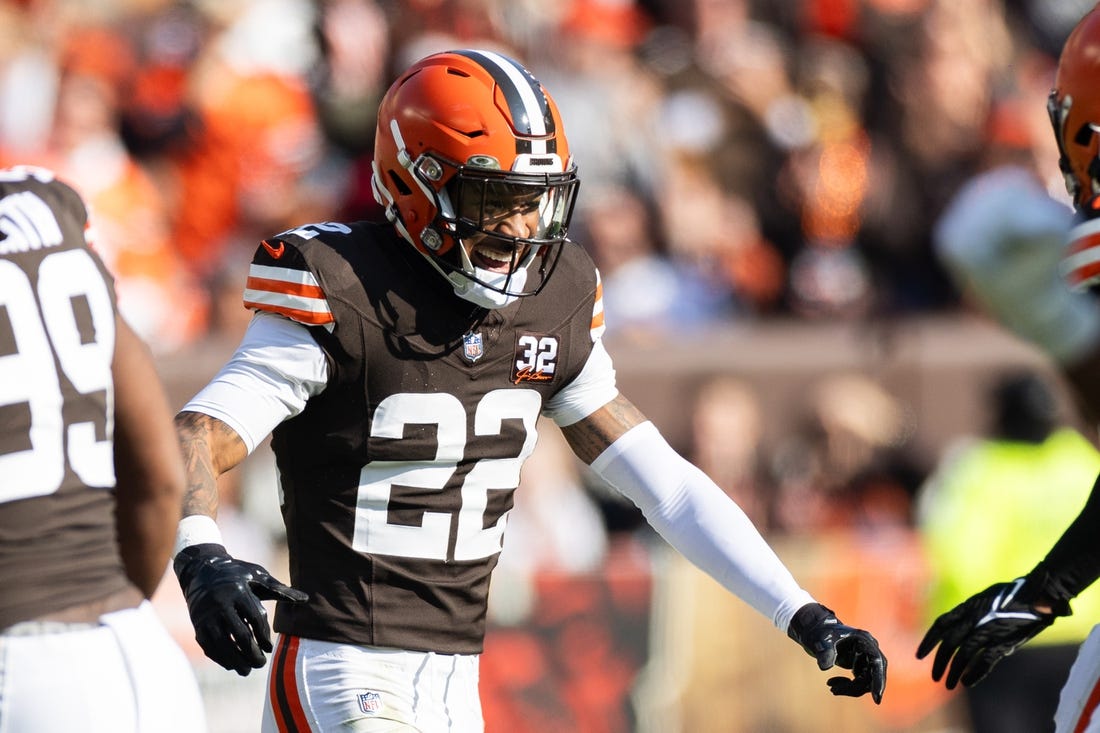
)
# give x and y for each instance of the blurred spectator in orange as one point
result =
(249, 170)
(830, 277)
(157, 292)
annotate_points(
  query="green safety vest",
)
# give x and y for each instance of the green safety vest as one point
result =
(993, 509)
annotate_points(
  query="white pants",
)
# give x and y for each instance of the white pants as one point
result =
(122, 675)
(316, 686)
(1079, 703)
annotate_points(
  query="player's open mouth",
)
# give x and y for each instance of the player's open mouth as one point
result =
(492, 257)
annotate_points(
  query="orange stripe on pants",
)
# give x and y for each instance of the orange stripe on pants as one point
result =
(286, 703)
(1090, 707)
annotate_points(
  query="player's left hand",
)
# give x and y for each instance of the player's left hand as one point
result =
(823, 637)
(984, 629)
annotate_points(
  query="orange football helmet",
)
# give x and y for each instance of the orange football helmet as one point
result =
(463, 138)
(1074, 107)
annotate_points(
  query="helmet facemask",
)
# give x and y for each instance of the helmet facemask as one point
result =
(488, 264)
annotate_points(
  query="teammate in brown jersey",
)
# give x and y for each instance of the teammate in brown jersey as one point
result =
(401, 367)
(90, 491)
(1006, 244)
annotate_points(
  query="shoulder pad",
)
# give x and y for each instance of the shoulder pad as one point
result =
(280, 281)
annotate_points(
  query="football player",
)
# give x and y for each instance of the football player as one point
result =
(91, 490)
(1009, 256)
(402, 365)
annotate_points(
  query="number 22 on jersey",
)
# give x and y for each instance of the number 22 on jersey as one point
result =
(430, 540)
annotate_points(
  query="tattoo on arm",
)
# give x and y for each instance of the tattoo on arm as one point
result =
(209, 447)
(591, 436)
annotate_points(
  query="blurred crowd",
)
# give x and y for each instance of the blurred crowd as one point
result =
(740, 158)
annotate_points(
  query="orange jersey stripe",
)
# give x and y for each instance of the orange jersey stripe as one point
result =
(1081, 274)
(1086, 242)
(284, 287)
(597, 326)
(1083, 236)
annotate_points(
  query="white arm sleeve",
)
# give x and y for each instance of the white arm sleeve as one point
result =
(697, 518)
(593, 388)
(277, 367)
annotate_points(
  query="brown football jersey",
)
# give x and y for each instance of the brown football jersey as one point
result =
(398, 477)
(57, 333)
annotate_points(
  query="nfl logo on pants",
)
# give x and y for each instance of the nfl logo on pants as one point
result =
(370, 702)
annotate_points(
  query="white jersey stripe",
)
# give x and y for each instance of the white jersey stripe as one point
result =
(293, 293)
(285, 274)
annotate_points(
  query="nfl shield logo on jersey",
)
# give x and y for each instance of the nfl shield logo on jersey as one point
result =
(473, 348)
(370, 702)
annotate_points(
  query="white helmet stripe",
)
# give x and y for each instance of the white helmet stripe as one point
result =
(526, 101)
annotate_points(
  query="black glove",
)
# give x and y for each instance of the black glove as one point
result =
(986, 628)
(223, 597)
(819, 632)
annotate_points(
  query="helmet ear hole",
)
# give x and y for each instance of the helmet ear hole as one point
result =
(1084, 134)
(398, 183)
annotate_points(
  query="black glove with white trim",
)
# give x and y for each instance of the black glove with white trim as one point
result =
(823, 637)
(223, 598)
(984, 629)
